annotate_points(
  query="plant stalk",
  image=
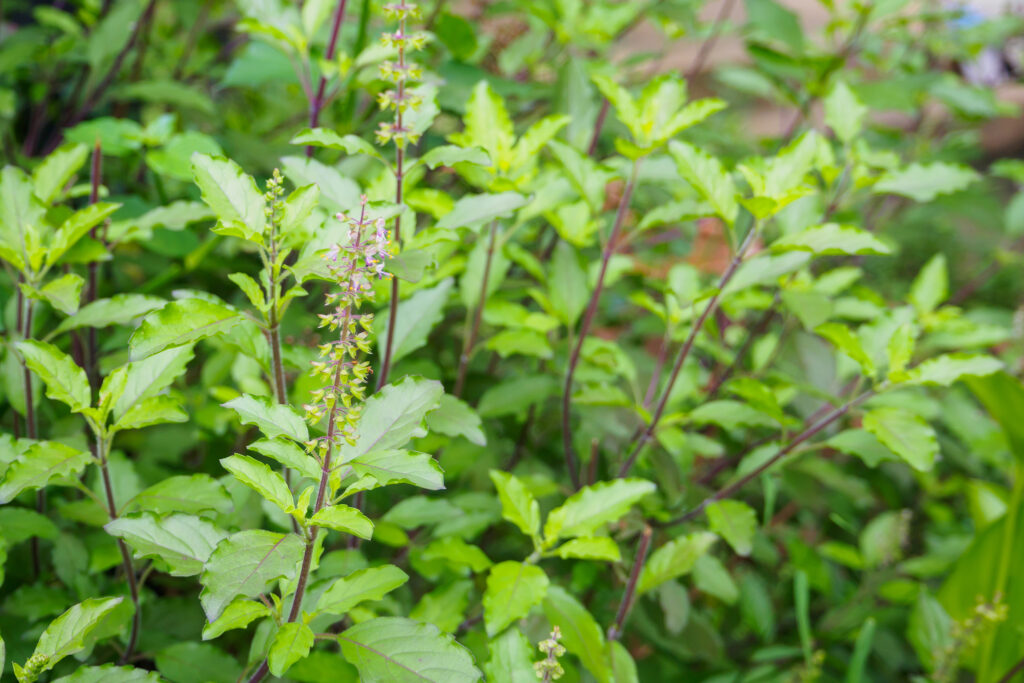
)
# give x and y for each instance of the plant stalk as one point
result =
(629, 597)
(103, 447)
(317, 103)
(24, 325)
(684, 352)
(571, 461)
(803, 436)
(91, 292)
(385, 368)
(473, 330)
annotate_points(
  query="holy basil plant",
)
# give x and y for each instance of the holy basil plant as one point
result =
(354, 341)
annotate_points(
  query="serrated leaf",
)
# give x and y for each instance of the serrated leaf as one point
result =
(513, 589)
(119, 309)
(399, 650)
(596, 548)
(945, 370)
(844, 112)
(191, 494)
(475, 210)
(417, 316)
(846, 341)
(322, 137)
(291, 643)
(511, 659)
(449, 155)
(593, 506)
(109, 673)
(396, 466)
(905, 434)
(931, 286)
(64, 380)
(273, 419)
(517, 503)
(674, 559)
(346, 519)
(42, 464)
(64, 293)
(238, 614)
(53, 174)
(567, 284)
(487, 125)
(246, 564)
(832, 238)
(67, 634)
(74, 228)
(358, 587)
(925, 182)
(708, 177)
(289, 455)
(184, 542)
(261, 479)
(179, 323)
(233, 196)
(131, 384)
(454, 417)
(580, 633)
(736, 522)
(392, 416)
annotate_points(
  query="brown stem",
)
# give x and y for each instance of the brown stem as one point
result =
(808, 433)
(684, 352)
(385, 368)
(629, 596)
(91, 291)
(524, 433)
(103, 446)
(478, 312)
(1012, 673)
(598, 125)
(571, 463)
(92, 99)
(659, 365)
(317, 103)
(709, 43)
(190, 43)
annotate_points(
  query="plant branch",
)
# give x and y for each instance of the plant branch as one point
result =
(473, 329)
(709, 43)
(1012, 673)
(684, 351)
(317, 103)
(91, 292)
(571, 463)
(807, 433)
(629, 596)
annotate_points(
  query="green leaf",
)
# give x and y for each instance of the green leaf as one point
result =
(246, 564)
(454, 417)
(456, 552)
(273, 419)
(346, 519)
(449, 155)
(75, 226)
(475, 210)
(337, 192)
(261, 479)
(736, 522)
(513, 589)
(64, 380)
(392, 416)
(1003, 397)
(68, 633)
(925, 182)
(945, 370)
(517, 503)
(192, 662)
(233, 196)
(625, 105)
(567, 284)
(64, 293)
(580, 633)
(20, 524)
(360, 586)
(487, 126)
(130, 385)
(297, 209)
(731, 415)
(511, 659)
(844, 112)
(120, 309)
(179, 323)
(184, 542)
(596, 548)
(321, 137)
(191, 494)
(756, 606)
(292, 642)
(289, 455)
(43, 463)
(417, 316)
(396, 466)
(905, 434)
(708, 177)
(109, 673)
(830, 239)
(846, 341)
(51, 176)
(593, 506)
(674, 559)
(238, 614)
(862, 444)
(399, 650)
(931, 286)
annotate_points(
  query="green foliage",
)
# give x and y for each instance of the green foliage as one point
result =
(489, 351)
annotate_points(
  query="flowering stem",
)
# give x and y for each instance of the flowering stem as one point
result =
(629, 596)
(610, 246)
(684, 352)
(473, 330)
